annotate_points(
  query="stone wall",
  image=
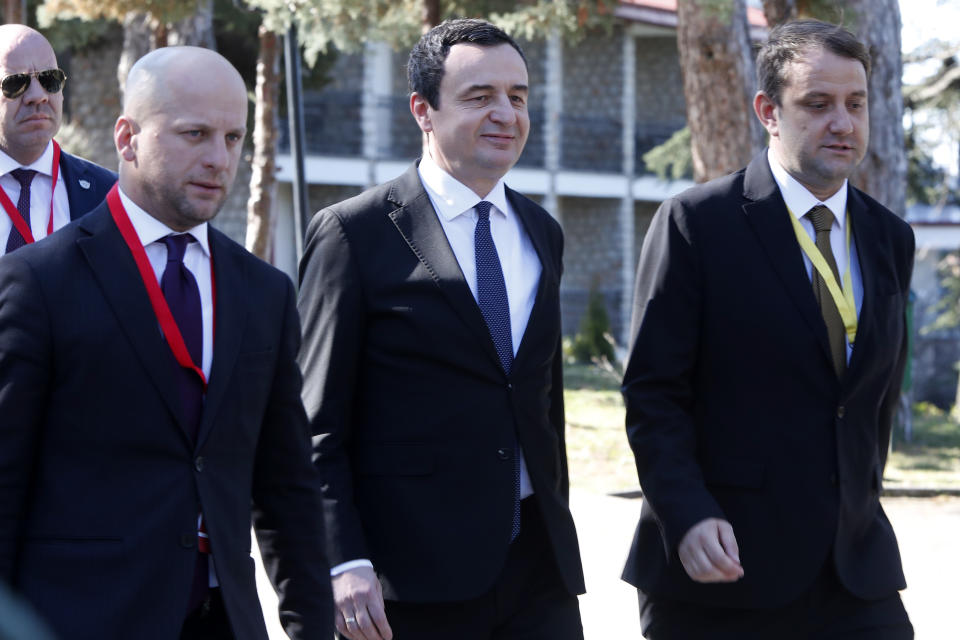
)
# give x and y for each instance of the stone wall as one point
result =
(661, 108)
(92, 104)
(591, 120)
(592, 258)
(324, 195)
(935, 352)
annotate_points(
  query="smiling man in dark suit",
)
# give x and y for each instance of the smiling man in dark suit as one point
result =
(769, 342)
(432, 373)
(41, 187)
(150, 395)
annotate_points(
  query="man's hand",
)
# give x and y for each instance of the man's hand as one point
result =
(358, 599)
(709, 552)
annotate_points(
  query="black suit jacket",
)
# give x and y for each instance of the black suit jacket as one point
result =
(413, 416)
(87, 183)
(100, 483)
(733, 409)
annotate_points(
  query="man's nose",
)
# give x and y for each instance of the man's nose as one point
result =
(502, 110)
(35, 93)
(841, 122)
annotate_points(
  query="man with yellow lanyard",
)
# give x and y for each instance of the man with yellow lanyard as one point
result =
(768, 346)
(41, 187)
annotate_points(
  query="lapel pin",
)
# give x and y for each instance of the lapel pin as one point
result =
(84, 184)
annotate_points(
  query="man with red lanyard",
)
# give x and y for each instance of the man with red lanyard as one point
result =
(150, 395)
(41, 187)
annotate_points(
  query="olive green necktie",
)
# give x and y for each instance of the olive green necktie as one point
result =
(822, 219)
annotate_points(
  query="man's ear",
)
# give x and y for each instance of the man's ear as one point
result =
(420, 109)
(766, 111)
(125, 138)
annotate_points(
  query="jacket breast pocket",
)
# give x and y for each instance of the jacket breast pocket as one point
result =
(395, 459)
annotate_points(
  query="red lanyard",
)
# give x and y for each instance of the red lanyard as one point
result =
(160, 308)
(23, 226)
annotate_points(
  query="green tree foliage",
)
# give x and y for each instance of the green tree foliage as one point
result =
(594, 342)
(673, 159)
(933, 109)
(347, 24)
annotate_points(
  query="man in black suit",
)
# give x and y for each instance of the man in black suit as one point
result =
(36, 178)
(150, 395)
(432, 373)
(769, 342)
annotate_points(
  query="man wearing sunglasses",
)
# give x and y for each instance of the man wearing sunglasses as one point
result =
(41, 187)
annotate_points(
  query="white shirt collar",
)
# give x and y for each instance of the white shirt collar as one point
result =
(150, 230)
(453, 198)
(798, 198)
(42, 165)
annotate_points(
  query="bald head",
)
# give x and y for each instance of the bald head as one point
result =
(181, 132)
(15, 36)
(160, 79)
(29, 121)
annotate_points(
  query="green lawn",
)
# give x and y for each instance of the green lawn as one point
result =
(600, 458)
(931, 458)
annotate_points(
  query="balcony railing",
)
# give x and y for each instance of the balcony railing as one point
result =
(334, 126)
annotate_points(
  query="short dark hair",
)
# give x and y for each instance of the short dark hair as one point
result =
(790, 40)
(425, 67)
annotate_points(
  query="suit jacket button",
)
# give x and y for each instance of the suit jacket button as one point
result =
(841, 411)
(510, 386)
(188, 540)
(833, 479)
(503, 454)
(198, 464)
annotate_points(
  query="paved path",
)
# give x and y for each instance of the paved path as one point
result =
(928, 530)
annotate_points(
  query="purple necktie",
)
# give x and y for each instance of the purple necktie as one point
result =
(183, 297)
(24, 176)
(495, 307)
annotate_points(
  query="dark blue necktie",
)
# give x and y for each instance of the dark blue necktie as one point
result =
(24, 176)
(495, 307)
(183, 297)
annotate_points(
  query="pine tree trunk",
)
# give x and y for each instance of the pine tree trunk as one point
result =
(718, 76)
(142, 33)
(13, 12)
(430, 16)
(139, 39)
(779, 11)
(196, 29)
(883, 172)
(263, 180)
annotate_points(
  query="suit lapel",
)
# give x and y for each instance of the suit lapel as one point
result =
(416, 220)
(767, 215)
(118, 277)
(871, 256)
(80, 184)
(230, 318)
(538, 237)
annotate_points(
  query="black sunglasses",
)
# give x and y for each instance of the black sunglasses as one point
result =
(15, 84)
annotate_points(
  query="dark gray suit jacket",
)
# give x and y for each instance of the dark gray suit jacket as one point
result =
(412, 414)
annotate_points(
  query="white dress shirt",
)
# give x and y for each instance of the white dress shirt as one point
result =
(196, 258)
(39, 196)
(799, 201)
(454, 204)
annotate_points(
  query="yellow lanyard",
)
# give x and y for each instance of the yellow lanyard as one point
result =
(844, 300)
